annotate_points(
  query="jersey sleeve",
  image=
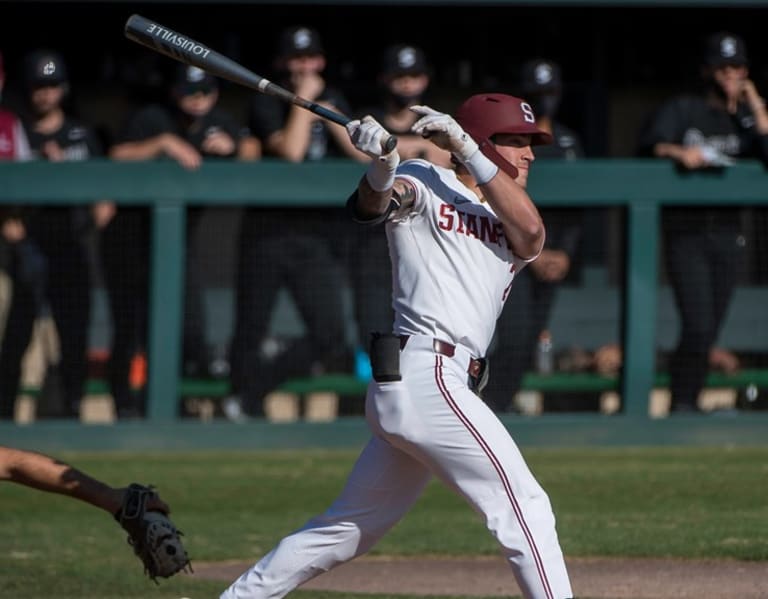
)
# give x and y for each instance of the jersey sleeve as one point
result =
(422, 176)
(666, 125)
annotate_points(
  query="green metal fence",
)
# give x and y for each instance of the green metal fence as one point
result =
(641, 187)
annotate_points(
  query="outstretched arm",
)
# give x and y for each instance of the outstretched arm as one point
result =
(45, 473)
(164, 144)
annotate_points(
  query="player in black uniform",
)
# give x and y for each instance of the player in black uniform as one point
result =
(526, 313)
(60, 234)
(704, 248)
(293, 249)
(189, 129)
(403, 81)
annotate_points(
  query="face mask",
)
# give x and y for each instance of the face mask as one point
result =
(403, 101)
(546, 106)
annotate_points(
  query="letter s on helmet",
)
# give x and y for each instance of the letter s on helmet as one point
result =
(485, 115)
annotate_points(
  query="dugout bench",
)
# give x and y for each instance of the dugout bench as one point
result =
(316, 399)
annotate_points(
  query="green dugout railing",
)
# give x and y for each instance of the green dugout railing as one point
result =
(640, 186)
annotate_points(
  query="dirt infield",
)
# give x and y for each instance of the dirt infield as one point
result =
(596, 578)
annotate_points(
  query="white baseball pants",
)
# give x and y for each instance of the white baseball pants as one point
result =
(430, 423)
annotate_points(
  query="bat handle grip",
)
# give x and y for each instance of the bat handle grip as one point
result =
(390, 144)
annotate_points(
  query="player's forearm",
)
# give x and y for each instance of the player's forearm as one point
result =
(249, 148)
(42, 472)
(147, 149)
(757, 105)
(371, 203)
(292, 142)
(760, 113)
(522, 222)
(669, 150)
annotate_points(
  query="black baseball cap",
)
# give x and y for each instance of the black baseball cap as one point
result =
(190, 80)
(725, 48)
(540, 76)
(404, 59)
(299, 41)
(44, 68)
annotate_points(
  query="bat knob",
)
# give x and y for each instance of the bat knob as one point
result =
(390, 144)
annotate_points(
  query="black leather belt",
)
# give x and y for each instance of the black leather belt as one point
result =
(475, 367)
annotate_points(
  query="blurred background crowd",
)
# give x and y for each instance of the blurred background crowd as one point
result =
(629, 83)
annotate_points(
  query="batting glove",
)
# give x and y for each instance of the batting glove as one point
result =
(443, 130)
(370, 137)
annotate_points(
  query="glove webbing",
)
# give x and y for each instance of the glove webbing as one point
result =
(135, 502)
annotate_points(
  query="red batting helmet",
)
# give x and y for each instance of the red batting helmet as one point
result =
(485, 115)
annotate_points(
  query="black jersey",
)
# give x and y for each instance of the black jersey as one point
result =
(691, 120)
(77, 140)
(156, 119)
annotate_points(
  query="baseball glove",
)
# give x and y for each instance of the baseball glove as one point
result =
(154, 538)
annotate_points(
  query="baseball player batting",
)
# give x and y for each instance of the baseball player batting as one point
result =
(457, 238)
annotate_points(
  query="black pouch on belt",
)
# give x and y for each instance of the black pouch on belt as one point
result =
(385, 357)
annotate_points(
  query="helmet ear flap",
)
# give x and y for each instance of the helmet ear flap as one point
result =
(488, 149)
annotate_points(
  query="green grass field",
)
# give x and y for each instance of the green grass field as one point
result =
(663, 502)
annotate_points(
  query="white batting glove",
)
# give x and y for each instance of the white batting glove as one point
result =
(369, 137)
(443, 130)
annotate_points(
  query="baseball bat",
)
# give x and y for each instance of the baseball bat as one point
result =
(184, 49)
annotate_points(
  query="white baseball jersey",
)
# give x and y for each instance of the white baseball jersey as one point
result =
(452, 270)
(451, 263)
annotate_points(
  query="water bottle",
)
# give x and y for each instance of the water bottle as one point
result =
(545, 361)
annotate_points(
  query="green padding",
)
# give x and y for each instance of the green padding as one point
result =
(578, 381)
(204, 388)
(344, 384)
(742, 378)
